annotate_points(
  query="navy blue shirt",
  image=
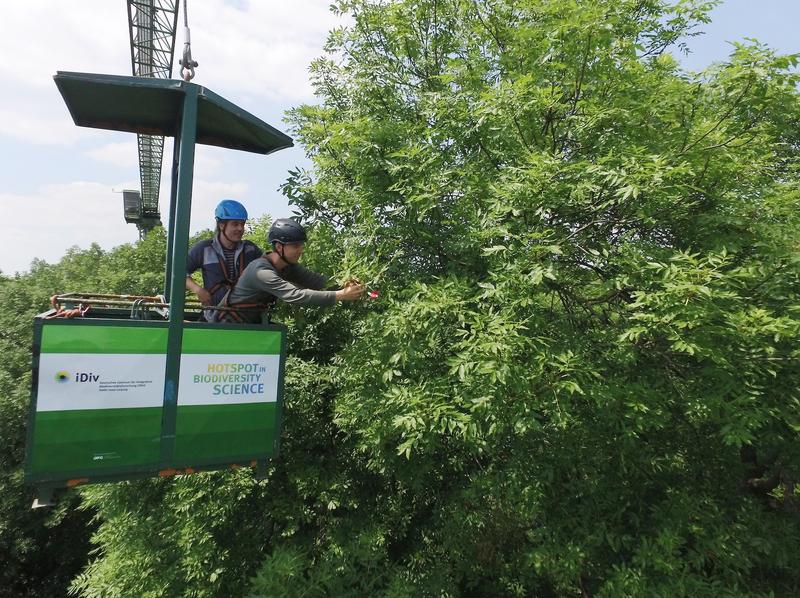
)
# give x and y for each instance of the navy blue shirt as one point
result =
(209, 256)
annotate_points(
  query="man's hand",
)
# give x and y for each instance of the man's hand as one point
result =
(351, 292)
(202, 294)
(205, 297)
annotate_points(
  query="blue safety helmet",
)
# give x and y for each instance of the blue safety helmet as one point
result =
(230, 209)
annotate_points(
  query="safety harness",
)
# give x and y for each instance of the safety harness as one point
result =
(227, 282)
(233, 312)
(62, 312)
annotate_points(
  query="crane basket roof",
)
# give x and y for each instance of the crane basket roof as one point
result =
(153, 107)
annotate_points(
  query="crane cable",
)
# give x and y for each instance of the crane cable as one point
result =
(187, 64)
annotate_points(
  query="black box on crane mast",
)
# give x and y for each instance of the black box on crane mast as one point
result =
(132, 206)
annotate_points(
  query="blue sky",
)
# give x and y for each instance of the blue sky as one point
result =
(58, 180)
(774, 22)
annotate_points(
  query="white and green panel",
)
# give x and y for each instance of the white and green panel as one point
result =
(99, 399)
(100, 391)
(228, 395)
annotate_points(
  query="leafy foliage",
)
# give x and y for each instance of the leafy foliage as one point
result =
(43, 550)
(582, 378)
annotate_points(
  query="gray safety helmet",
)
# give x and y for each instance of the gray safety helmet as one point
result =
(286, 231)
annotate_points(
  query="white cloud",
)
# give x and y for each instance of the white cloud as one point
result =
(125, 153)
(262, 51)
(255, 54)
(82, 212)
(205, 162)
(258, 48)
(205, 197)
(46, 125)
(43, 36)
(121, 153)
(77, 213)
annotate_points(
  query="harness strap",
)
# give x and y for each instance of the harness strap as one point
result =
(233, 311)
(77, 312)
(228, 283)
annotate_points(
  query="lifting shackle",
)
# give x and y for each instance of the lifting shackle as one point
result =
(187, 64)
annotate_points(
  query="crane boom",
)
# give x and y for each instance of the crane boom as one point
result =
(151, 26)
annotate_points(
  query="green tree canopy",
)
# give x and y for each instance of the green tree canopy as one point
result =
(584, 378)
(41, 551)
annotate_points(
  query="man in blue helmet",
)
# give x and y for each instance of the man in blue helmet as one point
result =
(279, 275)
(223, 258)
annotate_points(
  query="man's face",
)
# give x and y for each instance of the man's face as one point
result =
(292, 252)
(232, 229)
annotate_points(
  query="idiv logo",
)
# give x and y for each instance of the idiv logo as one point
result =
(86, 377)
(63, 376)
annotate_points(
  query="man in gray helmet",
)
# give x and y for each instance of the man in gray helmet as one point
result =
(279, 275)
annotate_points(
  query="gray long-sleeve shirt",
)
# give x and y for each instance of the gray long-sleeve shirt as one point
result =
(262, 283)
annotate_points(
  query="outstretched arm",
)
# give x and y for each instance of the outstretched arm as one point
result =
(291, 293)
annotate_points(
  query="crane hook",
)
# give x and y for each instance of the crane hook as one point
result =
(187, 64)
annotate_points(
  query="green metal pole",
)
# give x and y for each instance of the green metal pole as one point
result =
(185, 139)
(173, 194)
